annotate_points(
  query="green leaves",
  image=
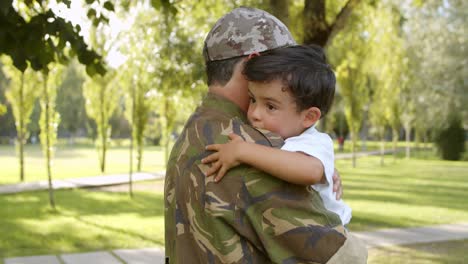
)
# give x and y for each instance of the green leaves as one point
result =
(109, 6)
(165, 6)
(42, 39)
(66, 2)
(5, 6)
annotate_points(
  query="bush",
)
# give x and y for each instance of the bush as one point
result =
(450, 141)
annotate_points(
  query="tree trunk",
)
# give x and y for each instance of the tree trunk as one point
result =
(166, 131)
(353, 147)
(140, 156)
(47, 133)
(130, 175)
(280, 9)
(407, 139)
(382, 147)
(395, 141)
(103, 131)
(21, 129)
(316, 29)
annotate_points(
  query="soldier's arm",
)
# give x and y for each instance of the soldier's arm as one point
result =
(293, 167)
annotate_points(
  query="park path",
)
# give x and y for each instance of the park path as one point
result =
(94, 181)
(378, 238)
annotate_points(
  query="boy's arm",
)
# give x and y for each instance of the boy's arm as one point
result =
(293, 167)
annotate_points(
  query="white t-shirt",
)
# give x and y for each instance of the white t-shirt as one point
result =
(320, 146)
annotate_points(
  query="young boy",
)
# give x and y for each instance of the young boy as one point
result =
(290, 89)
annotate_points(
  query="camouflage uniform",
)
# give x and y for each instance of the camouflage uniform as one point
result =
(248, 217)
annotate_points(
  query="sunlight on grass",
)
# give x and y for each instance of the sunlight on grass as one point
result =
(79, 161)
(84, 221)
(405, 193)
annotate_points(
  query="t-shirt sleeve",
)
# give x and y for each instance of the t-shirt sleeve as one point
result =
(318, 145)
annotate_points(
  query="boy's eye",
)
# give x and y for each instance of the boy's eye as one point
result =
(252, 100)
(271, 107)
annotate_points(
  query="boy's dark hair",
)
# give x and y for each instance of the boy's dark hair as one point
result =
(303, 70)
(220, 71)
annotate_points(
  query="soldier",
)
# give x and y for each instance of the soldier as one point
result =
(249, 217)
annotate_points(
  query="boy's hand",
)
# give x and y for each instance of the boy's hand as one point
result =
(225, 157)
(337, 187)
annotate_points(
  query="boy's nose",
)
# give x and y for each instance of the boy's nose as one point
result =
(254, 114)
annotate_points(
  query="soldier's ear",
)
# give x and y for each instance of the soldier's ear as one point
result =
(310, 116)
(253, 55)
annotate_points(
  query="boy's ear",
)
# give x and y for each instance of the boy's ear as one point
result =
(310, 116)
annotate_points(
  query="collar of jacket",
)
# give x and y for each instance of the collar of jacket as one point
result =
(224, 106)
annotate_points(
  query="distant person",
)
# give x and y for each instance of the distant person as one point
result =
(248, 217)
(341, 140)
(290, 90)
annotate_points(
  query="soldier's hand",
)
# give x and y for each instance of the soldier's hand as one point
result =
(225, 157)
(337, 187)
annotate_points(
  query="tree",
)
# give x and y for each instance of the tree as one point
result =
(350, 55)
(32, 33)
(49, 120)
(71, 102)
(451, 140)
(22, 94)
(437, 74)
(7, 120)
(386, 65)
(102, 94)
(317, 30)
(141, 45)
(178, 75)
(319, 20)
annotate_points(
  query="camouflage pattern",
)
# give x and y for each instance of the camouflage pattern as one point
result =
(244, 31)
(249, 216)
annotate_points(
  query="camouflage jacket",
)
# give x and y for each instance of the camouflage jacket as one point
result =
(249, 216)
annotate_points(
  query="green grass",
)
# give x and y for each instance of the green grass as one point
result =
(73, 162)
(405, 193)
(416, 192)
(85, 221)
(451, 252)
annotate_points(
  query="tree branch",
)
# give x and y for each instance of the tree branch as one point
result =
(341, 19)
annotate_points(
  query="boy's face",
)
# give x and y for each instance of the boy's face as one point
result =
(273, 108)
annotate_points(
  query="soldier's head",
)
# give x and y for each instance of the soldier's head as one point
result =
(239, 33)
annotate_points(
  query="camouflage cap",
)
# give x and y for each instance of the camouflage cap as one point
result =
(244, 31)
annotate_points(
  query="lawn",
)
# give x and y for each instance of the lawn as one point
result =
(85, 221)
(403, 193)
(450, 252)
(73, 162)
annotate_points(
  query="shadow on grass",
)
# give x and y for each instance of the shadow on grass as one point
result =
(84, 221)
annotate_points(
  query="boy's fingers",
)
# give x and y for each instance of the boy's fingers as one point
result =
(213, 147)
(211, 158)
(221, 173)
(233, 136)
(213, 169)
